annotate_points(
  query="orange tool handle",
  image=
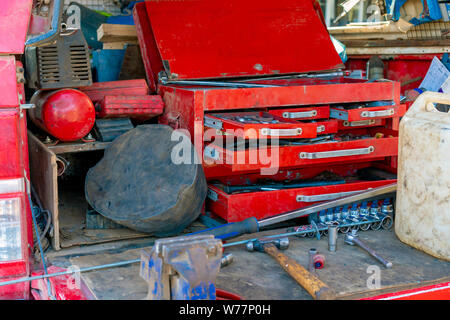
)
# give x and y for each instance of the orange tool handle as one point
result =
(315, 287)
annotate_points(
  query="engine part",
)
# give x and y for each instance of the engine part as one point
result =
(64, 63)
(66, 114)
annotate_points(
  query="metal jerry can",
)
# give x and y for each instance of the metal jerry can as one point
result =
(423, 189)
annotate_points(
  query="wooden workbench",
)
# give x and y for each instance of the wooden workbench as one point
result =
(255, 275)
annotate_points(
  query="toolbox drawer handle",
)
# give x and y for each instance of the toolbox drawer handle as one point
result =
(326, 196)
(300, 114)
(320, 128)
(337, 153)
(375, 114)
(358, 123)
(281, 132)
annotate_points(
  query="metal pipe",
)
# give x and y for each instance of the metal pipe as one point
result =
(353, 239)
(50, 275)
(311, 267)
(332, 237)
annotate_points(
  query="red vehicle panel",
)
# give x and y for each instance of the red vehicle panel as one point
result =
(14, 19)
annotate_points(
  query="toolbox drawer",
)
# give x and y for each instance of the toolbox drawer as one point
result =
(257, 125)
(361, 114)
(263, 204)
(299, 154)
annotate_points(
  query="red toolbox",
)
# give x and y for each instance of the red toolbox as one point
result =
(141, 107)
(260, 89)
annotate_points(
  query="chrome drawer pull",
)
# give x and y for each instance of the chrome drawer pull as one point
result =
(337, 153)
(300, 114)
(358, 123)
(280, 132)
(374, 114)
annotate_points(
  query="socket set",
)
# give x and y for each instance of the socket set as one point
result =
(374, 215)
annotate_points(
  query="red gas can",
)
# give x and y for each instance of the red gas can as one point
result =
(66, 114)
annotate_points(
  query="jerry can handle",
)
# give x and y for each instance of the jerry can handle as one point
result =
(425, 101)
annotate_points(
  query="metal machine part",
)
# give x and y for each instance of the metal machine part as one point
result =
(258, 245)
(182, 268)
(312, 253)
(66, 114)
(63, 63)
(226, 260)
(353, 239)
(332, 238)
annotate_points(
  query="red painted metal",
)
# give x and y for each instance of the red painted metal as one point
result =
(64, 287)
(356, 114)
(439, 291)
(149, 51)
(98, 90)
(321, 112)
(135, 107)
(401, 68)
(256, 130)
(209, 39)
(66, 114)
(14, 165)
(8, 85)
(14, 18)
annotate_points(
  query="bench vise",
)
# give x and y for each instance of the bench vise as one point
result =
(182, 268)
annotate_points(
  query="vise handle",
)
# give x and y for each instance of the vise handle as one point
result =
(315, 287)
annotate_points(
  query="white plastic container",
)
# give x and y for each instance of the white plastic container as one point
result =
(423, 187)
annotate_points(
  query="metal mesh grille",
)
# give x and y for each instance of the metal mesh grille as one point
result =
(78, 63)
(48, 64)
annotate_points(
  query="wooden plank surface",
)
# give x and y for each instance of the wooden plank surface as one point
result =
(254, 275)
(44, 180)
(71, 147)
(116, 33)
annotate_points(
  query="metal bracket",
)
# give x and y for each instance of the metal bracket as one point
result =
(213, 123)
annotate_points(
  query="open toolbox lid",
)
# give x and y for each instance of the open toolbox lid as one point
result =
(204, 39)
